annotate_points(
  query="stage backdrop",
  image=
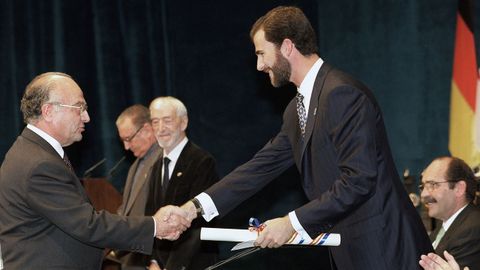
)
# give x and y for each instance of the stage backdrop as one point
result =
(126, 52)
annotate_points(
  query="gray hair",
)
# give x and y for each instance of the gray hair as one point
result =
(138, 114)
(180, 108)
(36, 94)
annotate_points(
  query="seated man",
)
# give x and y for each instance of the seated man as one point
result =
(448, 189)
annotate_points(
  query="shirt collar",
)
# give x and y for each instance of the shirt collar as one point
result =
(54, 143)
(451, 219)
(306, 87)
(175, 153)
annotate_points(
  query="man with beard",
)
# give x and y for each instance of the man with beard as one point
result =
(333, 132)
(448, 189)
(183, 171)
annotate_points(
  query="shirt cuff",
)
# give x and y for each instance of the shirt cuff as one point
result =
(298, 227)
(154, 227)
(209, 209)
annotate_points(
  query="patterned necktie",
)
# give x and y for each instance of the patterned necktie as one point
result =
(302, 116)
(166, 177)
(67, 161)
(440, 234)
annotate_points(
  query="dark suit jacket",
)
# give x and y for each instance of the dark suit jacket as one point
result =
(47, 220)
(462, 239)
(347, 172)
(193, 173)
(135, 195)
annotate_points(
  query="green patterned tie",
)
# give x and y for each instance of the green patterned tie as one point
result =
(440, 234)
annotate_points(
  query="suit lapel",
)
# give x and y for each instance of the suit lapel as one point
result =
(457, 223)
(35, 138)
(128, 187)
(313, 107)
(142, 178)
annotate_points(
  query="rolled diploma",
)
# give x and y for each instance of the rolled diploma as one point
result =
(237, 235)
(228, 235)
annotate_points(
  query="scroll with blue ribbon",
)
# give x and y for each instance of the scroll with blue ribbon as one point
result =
(247, 237)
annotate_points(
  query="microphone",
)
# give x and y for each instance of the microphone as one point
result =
(115, 167)
(89, 171)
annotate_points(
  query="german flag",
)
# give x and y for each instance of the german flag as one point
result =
(464, 134)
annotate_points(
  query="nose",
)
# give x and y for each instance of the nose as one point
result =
(126, 145)
(85, 117)
(424, 193)
(260, 64)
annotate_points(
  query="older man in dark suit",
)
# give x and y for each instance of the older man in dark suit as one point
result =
(136, 133)
(47, 220)
(333, 132)
(184, 170)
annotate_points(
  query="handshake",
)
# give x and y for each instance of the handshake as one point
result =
(171, 221)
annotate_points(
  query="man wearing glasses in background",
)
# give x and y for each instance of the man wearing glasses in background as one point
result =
(448, 189)
(136, 133)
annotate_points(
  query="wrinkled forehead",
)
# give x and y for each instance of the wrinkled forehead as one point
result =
(166, 110)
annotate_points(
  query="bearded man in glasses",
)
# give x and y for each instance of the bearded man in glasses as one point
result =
(448, 189)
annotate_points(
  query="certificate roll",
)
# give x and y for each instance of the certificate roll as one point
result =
(236, 235)
(227, 235)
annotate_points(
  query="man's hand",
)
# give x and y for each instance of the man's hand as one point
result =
(275, 233)
(154, 266)
(434, 262)
(171, 221)
(190, 208)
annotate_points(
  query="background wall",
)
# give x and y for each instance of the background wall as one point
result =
(126, 52)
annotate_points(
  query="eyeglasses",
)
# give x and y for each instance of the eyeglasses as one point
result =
(83, 107)
(432, 185)
(130, 138)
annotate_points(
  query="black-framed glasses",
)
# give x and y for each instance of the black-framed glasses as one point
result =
(83, 107)
(432, 185)
(130, 138)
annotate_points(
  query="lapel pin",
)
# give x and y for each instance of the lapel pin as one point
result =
(179, 174)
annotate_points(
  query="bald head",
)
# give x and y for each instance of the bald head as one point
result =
(37, 93)
(54, 103)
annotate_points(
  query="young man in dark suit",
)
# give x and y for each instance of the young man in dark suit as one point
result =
(333, 132)
(47, 220)
(183, 171)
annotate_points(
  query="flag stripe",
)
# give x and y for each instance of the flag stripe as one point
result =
(464, 62)
(461, 142)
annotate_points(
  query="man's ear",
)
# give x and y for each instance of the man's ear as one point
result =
(461, 188)
(184, 122)
(47, 111)
(287, 47)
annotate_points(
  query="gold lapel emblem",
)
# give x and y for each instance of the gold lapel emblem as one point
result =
(179, 174)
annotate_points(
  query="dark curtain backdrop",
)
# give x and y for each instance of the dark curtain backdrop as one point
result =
(126, 52)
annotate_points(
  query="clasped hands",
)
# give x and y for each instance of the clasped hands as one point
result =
(171, 221)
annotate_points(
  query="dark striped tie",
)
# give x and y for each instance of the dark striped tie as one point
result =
(67, 161)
